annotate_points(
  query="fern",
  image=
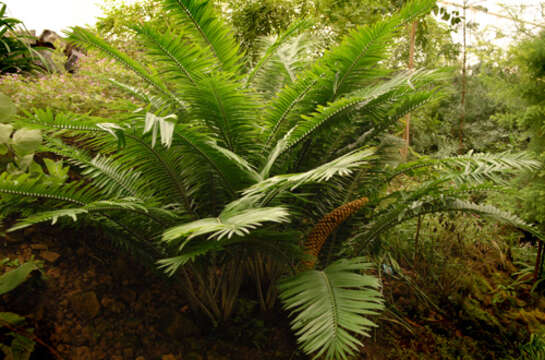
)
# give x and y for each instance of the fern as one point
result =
(331, 307)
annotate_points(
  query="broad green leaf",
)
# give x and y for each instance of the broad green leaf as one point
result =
(26, 141)
(11, 318)
(14, 278)
(5, 133)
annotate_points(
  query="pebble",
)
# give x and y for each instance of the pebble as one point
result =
(49, 256)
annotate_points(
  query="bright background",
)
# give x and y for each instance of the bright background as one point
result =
(59, 15)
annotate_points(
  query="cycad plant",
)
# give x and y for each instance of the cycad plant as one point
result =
(227, 166)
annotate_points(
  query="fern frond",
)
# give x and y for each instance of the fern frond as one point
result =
(353, 61)
(230, 223)
(87, 39)
(331, 307)
(472, 167)
(342, 166)
(199, 18)
(104, 172)
(234, 170)
(227, 110)
(25, 186)
(292, 30)
(181, 58)
(171, 265)
(129, 205)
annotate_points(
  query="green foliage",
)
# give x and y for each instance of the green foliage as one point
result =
(15, 54)
(12, 279)
(221, 169)
(83, 92)
(20, 347)
(7, 109)
(323, 299)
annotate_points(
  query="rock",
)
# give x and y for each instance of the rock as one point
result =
(49, 256)
(86, 304)
(38, 247)
(82, 353)
(168, 357)
(177, 325)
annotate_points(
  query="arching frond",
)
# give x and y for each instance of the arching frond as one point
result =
(353, 61)
(280, 113)
(227, 110)
(128, 204)
(331, 307)
(227, 224)
(342, 166)
(281, 39)
(182, 59)
(112, 178)
(234, 170)
(200, 19)
(87, 39)
(24, 186)
(473, 167)
(171, 265)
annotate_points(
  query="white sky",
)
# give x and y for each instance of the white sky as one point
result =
(58, 15)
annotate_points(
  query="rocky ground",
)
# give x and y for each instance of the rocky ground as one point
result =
(97, 303)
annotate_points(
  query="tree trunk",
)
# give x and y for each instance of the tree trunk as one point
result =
(407, 133)
(464, 82)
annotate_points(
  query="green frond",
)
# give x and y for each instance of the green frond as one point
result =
(436, 201)
(342, 70)
(160, 168)
(281, 39)
(181, 58)
(87, 39)
(154, 102)
(285, 65)
(331, 307)
(280, 113)
(171, 265)
(235, 172)
(24, 186)
(227, 110)
(353, 62)
(493, 213)
(227, 224)
(472, 167)
(341, 166)
(371, 103)
(129, 205)
(200, 19)
(45, 119)
(104, 172)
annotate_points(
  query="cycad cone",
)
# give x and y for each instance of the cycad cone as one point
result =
(321, 231)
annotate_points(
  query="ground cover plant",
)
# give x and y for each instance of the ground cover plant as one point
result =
(231, 173)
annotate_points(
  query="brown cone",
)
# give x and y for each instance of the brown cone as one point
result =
(321, 231)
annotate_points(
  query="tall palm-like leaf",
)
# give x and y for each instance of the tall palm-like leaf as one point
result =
(332, 306)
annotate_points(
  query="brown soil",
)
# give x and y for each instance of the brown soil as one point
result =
(98, 303)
